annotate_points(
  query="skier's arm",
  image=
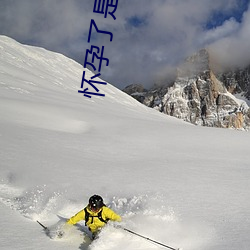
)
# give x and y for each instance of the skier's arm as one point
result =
(77, 217)
(110, 214)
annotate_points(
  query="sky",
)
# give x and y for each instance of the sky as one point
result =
(150, 38)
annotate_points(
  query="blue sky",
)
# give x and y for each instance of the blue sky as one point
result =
(218, 17)
(151, 37)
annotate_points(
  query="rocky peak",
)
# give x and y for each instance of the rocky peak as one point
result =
(201, 97)
(196, 64)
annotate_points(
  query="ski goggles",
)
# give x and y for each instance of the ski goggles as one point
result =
(94, 208)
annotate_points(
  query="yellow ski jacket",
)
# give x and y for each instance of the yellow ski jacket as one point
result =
(94, 223)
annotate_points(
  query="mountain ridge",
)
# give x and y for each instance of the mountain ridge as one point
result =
(200, 95)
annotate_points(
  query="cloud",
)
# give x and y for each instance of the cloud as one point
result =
(233, 49)
(228, 28)
(50, 23)
(150, 37)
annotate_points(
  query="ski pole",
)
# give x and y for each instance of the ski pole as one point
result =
(146, 238)
(45, 228)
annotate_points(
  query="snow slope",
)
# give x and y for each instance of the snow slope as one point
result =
(176, 183)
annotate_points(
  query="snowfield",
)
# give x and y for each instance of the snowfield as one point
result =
(182, 185)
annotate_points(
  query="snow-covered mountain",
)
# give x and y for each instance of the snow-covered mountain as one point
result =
(201, 96)
(182, 185)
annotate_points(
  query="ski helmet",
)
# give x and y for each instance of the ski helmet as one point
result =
(95, 202)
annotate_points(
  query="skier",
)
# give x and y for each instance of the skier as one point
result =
(95, 214)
